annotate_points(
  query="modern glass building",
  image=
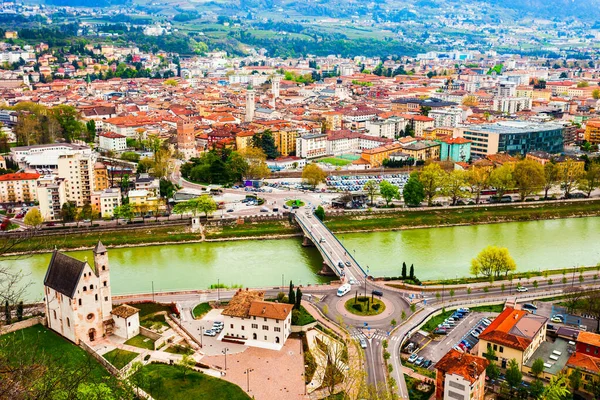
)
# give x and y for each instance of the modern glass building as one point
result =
(514, 137)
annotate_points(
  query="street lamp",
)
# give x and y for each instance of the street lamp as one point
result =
(224, 351)
(247, 372)
(366, 276)
(201, 334)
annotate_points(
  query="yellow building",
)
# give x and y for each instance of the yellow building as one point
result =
(243, 140)
(144, 201)
(285, 141)
(592, 131)
(514, 334)
(376, 156)
(525, 91)
(100, 176)
(423, 150)
(333, 120)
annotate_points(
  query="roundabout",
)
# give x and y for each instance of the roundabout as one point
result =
(364, 306)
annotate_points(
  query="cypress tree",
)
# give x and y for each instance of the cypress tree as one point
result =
(291, 294)
(412, 272)
(403, 270)
(20, 311)
(298, 298)
(7, 313)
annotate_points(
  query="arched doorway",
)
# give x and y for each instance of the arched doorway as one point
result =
(277, 339)
(92, 334)
(254, 336)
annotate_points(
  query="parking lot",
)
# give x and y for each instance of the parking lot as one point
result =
(210, 344)
(548, 309)
(436, 346)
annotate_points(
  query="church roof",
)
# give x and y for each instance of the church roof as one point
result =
(99, 248)
(63, 273)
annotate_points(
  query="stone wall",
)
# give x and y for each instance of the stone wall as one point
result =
(22, 325)
(109, 367)
(303, 328)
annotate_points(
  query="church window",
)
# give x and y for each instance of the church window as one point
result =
(103, 268)
(79, 301)
(54, 314)
(104, 283)
(91, 287)
(68, 322)
(106, 298)
(85, 289)
(96, 297)
(90, 316)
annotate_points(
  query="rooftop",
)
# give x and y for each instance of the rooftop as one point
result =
(590, 338)
(240, 303)
(268, 309)
(466, 365)
(584, 362)
(514, 127)
(549, 352)
(124, 311)
(514, 328)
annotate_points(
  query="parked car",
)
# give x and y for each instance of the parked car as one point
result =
(427, 363)
(363, 343)
(413, 357)
(210, 332)
(230, 210)
(348, 263)
(529, 306)
(419, 361)
(556, 320)
(475, 333)
(440, 331)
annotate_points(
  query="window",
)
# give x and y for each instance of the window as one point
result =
(242, 327)
(54, 314)
(105, 283)
(277, 329)
(501, 349)
(96, 296)
(265, 327)
(105, 298)
(91, 287)
(129, 324)
(265, 337)
(254, 326)
(79, 301)
(231, 326)
(103, 268)
(90, 316)
(85, 289)
(68, 322)
(265, 320)
(495, 347)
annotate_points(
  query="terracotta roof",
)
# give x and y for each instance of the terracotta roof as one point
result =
(124, 311)
(19, 176)
(267, 309)
(589, 338)
(466, 365)
(112, 135)
(239, 305)
(456, 140)
(584, 362)
(513, 328)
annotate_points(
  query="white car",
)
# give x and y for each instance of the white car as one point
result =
(522, 289)
(210, 332)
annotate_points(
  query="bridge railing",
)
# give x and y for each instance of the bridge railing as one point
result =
(318, 244)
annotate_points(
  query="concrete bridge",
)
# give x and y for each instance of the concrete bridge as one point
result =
(337, 260)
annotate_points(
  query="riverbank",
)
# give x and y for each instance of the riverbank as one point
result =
(369, 221)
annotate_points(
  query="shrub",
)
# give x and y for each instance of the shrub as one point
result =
(147, 357)
(357, 307)
(376, 306)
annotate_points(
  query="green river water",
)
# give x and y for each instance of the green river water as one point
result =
(435, 253)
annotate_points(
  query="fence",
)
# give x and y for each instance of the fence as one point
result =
(22, 325)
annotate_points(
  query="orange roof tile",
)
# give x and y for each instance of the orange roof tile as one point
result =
(466, 365)
(584, 362)
(19, 176)
(268, 309)
(589, 338)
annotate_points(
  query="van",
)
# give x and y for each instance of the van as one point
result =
(345, 288)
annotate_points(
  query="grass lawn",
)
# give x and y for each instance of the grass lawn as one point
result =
(304, 318)
(180, 349)
(142, 342)
(201, 309)
(166, 382)
(291, 203)
(151, 308)
(496, 308)
(120, 358)
(338, 162)
(359, 307)
(153, 321)
(413, 393)
(435, 321)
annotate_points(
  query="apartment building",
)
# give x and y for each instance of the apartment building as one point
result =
(18, 188)
(311, 146)
(111, 141)
(446, 117)
(78, 170)
(105, 201)
(52, 194)
(592, 131)
(420, 123)
(285, 141)
(460, 376)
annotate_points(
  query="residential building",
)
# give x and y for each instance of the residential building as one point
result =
(285, 141)
(592, 131)
(446, 117)
(51, 194)
(555, 354)
(342, 142)
(588, 343)
(389, 128)
(417, 105)
(511, 105)
(105, 201)
(43, 158)
(420, 123)
(514, 137)
(283, 163)
(244, 139)
(77, 296)
(144, 201)
(186, 140)
(423, 150)
(147, 182)
(78, 171)
(110, 141)
(311, 146)
(588, 367)
(376, 155)
(455, 149)
(333, 120)
(100, 176)
(514, 334)
(460, 376)
(18, 187)
(250, 319)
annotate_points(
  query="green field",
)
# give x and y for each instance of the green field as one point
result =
(120, 358)
(167, 382)
(435, 321)
(142, 342)
(201, 309)
(365, 306)
(338, 162)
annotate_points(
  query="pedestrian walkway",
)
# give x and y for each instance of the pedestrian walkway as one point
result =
(357, 335)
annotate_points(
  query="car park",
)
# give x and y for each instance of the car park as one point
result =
(413, 357)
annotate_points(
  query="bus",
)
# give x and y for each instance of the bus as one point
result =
(345, 288)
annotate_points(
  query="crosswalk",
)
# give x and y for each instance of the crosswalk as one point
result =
(375, 336)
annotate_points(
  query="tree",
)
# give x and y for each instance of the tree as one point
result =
(551, 177)
(411, 274)
(557, 388)
(388, 191)
(470, 100)
(596, 94)
(292, 294)
(91, 130)
(371, 188)
(265, 141)
(186, 363)
(144, 165)
(575, 380)
(536, 389)
(432, 178)
(537, 368)
(492, 370)
(130, 156)
(403, 270)
(570, 174)
(34, 218)
(203, 204)
(514, 377)
(413, 192)
(7, 316)
(86, 212)
(454, 185)
(493, 261)
(124, 211)
(68, 212)
(20, 311)
(298, 299)
(256, 167)
(312, 175)
(502, 179)
(320, 213)
(478, 179)
(591, 179)
(529, 178)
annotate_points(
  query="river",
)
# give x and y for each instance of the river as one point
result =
(435, 253)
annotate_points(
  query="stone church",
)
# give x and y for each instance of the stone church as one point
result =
(78, 298)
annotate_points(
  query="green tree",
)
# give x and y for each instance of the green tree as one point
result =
(591, 179)
(265, 141)
(312, 175)
(144, 165)
(570, 175)
(514, 376)
(413, 192)
(20, 311)
(86, 212)
(186, 363)
(455, 186)
(537, 368)
(298, 299)
(596, 94)
(292, 294)
(34, 218)
(130, 156)
(68, 212)
(68, 119)
(91, 130)
(493, 261)
(529, 177)
(7, 316)
(403, 270)
(432, 179)
(203, 204)
(125, 211)
(94, 391)
(551, 177)
(320, 213)
(372, 189)
(254, 163)
(492, 370)
(575, 380)
(411, 274)
(557, 388)
(388, 191)
(478, 180)
(502, 179)
(536, 389)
